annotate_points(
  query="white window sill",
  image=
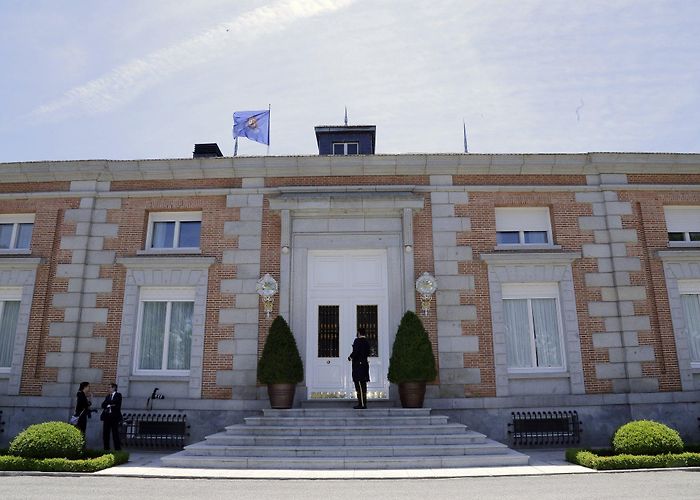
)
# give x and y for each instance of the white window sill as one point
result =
(159, 375)
(528, 247)
(16, 251)
(538, 374)
(5, 372)
(170, 251)
(684, 244)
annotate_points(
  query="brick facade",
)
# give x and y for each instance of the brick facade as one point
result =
(607, 218)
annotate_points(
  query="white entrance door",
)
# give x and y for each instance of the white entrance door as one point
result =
(347, 290)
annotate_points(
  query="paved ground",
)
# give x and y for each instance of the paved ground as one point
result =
(541, 462)
(673, 484)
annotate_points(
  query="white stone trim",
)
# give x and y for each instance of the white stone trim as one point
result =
(189, 272)
(595, 164)
(19, 273)
(536, 268)
(679, 266)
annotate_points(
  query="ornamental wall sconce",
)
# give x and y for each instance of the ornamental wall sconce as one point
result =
(426, 284)
(267, 288)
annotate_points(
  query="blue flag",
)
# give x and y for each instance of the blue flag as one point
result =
(255, 125)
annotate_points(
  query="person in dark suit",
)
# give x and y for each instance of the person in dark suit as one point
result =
(111, 417)
(360, 368)
(82, 406)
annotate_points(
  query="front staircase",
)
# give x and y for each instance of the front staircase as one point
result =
(337, 438)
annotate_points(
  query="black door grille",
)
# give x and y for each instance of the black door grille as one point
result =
(328, 331)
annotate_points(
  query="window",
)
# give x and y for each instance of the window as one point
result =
(346, 148)
(174, 230)
(683, 224)
(9, 314)
(690, 300)
(16, 231)
(523, 226)
(533, 327)
(164, 340)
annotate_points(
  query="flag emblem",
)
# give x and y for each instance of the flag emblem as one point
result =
(255, 125)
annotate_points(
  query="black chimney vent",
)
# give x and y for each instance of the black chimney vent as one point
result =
(209, 150)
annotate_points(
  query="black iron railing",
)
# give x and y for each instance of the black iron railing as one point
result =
(539, 428)
(149, 430)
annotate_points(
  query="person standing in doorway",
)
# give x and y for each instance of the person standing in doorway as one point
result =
(82, 406)
(111, 417)
(360, 368)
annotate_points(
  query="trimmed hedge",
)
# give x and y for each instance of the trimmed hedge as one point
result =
(412, 357)
(280, 362)
(97, 461)
(602, 460)
(48, 440)
(646, 437)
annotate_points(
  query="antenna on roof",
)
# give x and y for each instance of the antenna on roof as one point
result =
(464, 125)
(346, 116)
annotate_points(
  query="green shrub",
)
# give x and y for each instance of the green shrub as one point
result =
(412, 357)
(98, 462)
(48, 440)
(280, 362)
(646, 437)
(593, 460)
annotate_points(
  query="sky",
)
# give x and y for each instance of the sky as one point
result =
(87, 79)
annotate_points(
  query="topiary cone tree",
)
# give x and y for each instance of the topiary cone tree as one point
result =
(280, 362)
(412, 360)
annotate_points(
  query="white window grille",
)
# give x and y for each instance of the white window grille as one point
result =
(527, 226)
(174, 231)
(16, 232)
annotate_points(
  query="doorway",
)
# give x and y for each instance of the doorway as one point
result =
(347, 290)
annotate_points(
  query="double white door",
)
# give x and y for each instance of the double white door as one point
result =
(347, 290)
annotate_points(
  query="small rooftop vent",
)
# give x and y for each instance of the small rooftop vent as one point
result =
(208, 150)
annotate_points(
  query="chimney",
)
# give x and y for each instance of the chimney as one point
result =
(208, 150)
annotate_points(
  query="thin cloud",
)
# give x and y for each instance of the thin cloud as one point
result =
(129, 80)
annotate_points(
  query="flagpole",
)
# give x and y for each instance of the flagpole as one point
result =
(464, 124)
(268, 129)
(235, 147)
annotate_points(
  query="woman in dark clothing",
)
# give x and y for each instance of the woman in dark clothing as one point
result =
(360, 368)
(82, 406)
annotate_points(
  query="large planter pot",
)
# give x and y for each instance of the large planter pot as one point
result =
(281, 395)
(412, 394)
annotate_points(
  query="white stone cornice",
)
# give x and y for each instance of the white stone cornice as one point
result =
(534, 258)
(389, 188)
(166, 262)
(366, 165)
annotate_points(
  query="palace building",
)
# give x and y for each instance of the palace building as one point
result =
(564, 281)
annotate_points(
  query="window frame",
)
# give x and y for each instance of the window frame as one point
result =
(10, 294)
(678, 224)
(508, 223)
(168, 295)
(345, 145)
(689, 287)
(177, 218)
(16, 220)
(530, 291)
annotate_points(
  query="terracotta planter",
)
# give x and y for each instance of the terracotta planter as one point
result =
(281, 395)
(412, 394)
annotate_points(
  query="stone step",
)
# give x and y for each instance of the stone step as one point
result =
(205, 449)
(347, 412)
(359, 439)
(334, 430)
(347, 404)
(353, 420)
(340, 438)
(183, 459)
